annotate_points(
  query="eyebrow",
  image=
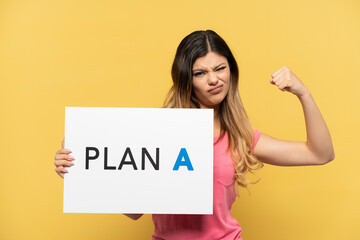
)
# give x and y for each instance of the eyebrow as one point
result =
(200, 69)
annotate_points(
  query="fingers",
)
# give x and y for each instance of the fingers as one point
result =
(279, 71)
(276, 77)
(61, 171)
(62, 160)
(279, 74)
(60, 156)
(59, 163)
(63, 151)
(277, 80)
(283, 85)
(280, 78)
(286, 80)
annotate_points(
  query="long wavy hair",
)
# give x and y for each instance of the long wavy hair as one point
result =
(233, 118)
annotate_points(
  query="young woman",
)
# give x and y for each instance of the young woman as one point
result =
(205, 75)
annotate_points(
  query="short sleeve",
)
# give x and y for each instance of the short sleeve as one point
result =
(256, 138)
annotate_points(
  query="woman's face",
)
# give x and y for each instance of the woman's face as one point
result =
(211, 79)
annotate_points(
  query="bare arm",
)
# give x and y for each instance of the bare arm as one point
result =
(318, 149)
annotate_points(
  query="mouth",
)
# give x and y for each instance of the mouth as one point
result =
(215, 89)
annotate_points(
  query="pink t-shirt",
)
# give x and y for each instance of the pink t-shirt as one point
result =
(219, 225)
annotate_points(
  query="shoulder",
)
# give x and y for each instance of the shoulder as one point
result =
(257, 135)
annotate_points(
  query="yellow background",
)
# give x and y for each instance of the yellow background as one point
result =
(118, 54)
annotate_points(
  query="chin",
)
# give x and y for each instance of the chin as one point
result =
(217, 101)
(213, 104)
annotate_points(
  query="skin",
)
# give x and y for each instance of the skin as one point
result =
(318, 148)
(212, 71)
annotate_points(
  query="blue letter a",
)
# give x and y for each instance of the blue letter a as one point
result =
(186, 162)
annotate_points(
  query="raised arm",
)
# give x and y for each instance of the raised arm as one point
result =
(318, 148)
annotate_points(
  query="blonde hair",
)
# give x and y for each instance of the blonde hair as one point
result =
(233, 118)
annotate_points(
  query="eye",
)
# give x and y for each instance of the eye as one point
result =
(220, 69)
(198, 74)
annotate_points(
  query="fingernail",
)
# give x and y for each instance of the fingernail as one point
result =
(71, 158)
(71, 163)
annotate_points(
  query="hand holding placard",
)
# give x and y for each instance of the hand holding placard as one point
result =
(62, 160)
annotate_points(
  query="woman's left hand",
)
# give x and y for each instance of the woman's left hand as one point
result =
(286, 80)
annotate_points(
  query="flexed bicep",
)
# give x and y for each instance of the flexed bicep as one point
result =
(284, 153)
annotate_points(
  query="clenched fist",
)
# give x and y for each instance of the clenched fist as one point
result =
(286, 80)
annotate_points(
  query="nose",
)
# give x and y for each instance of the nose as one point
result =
(213, 79)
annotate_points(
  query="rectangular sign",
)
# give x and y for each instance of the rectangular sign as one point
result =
(139, 160)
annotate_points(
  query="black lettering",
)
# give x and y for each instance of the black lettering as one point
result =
(131, 162)
(145, 152)
(88, 157)
(106, 167)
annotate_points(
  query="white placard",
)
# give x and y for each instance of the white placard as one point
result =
(139, 160)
